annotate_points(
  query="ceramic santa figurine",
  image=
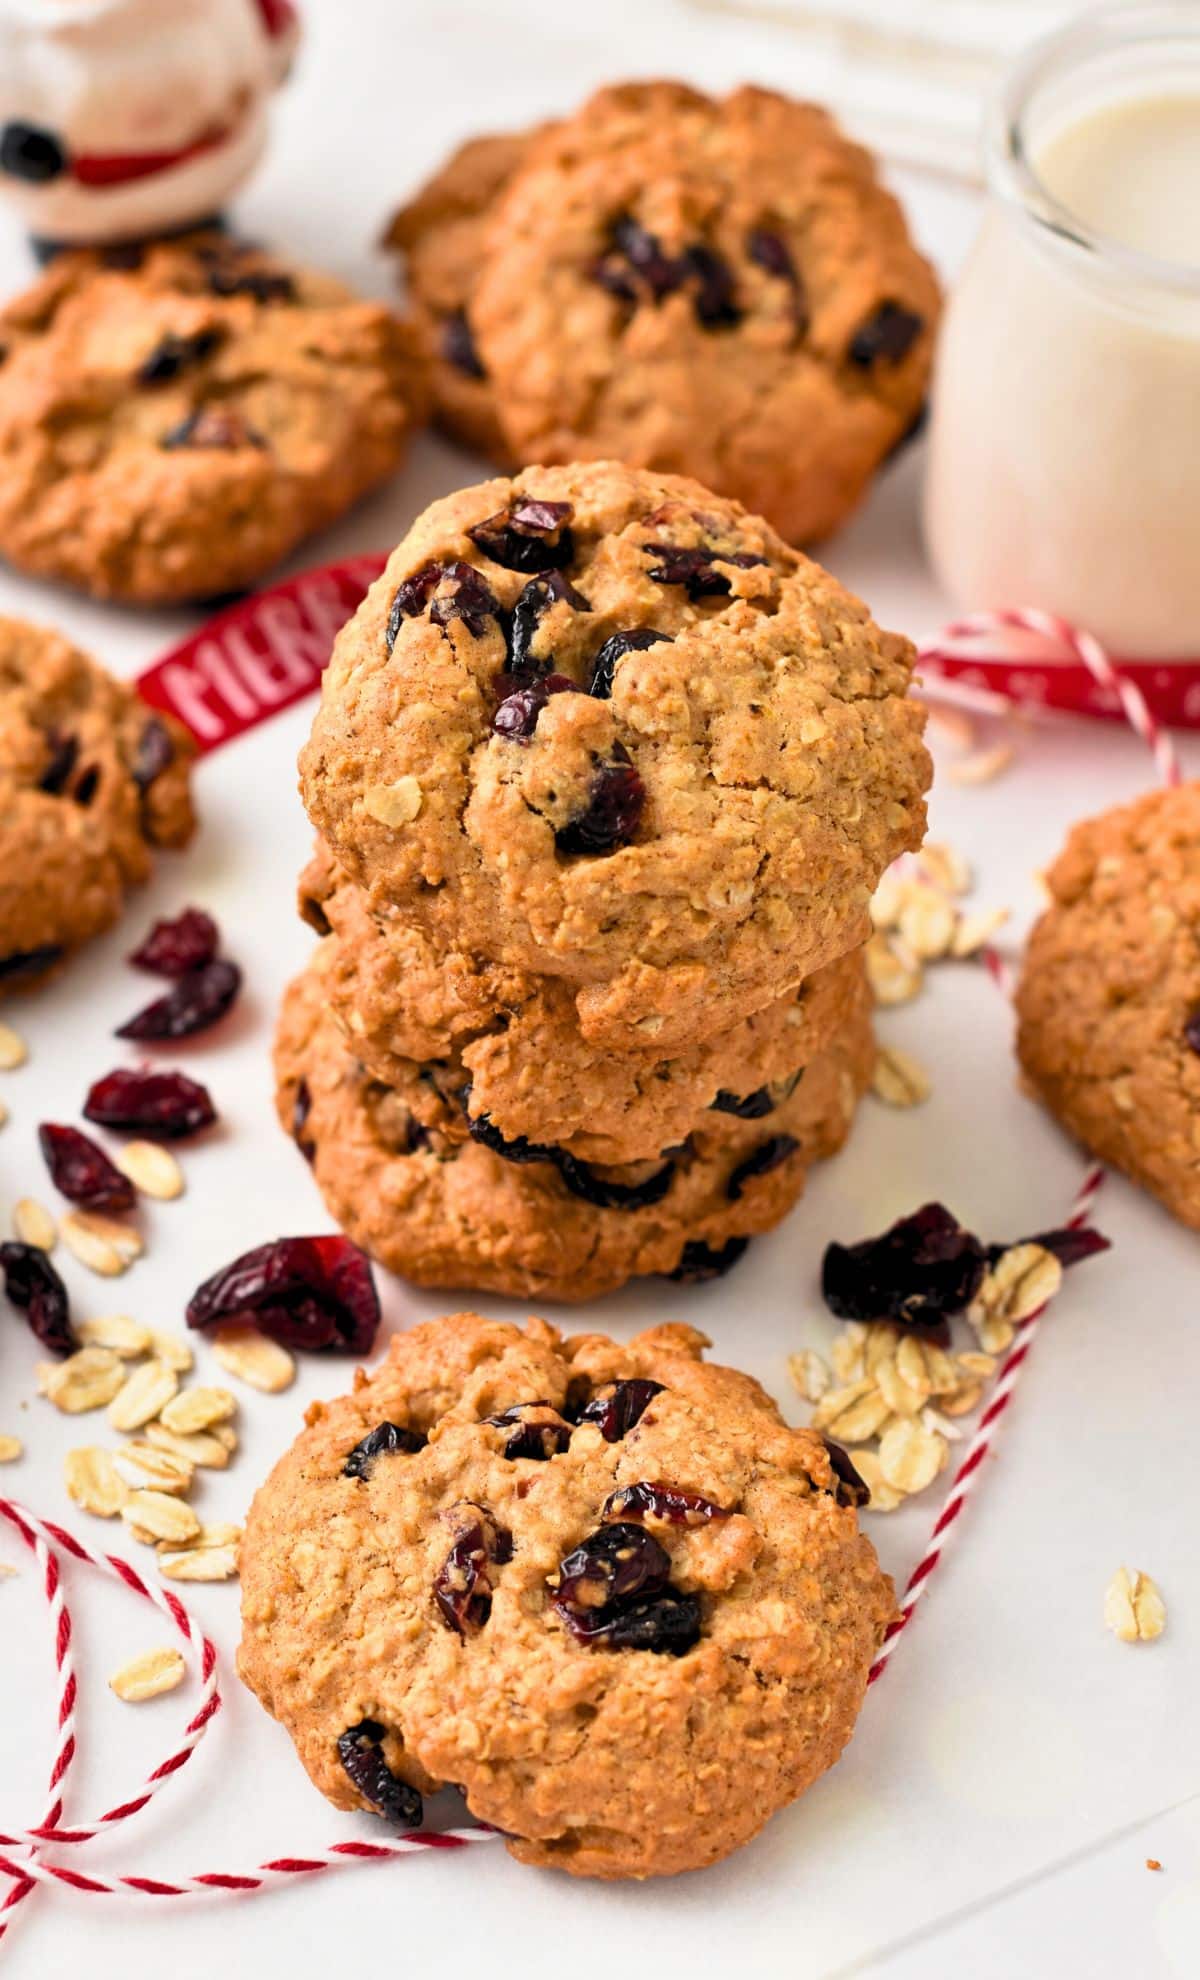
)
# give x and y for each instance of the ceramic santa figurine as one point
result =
(123, 118)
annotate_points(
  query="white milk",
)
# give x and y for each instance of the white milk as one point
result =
(1065, 452)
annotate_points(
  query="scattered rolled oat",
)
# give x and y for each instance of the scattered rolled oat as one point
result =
(199, 1563)
(116, 1331)
(3, 1119)
(93, 1481)
(852, 1414)
(253, 1358)
(899, 1079)
(210, 1449)
(810, 1374)
(148, 1676)
(143, 1396)
(981, 767)
(892, 977)
(1020, 1282)
(927, 922)
(101, 1243)
(945, 868)
(144, 1467)
(910, 1456)
(86, 1380)
(152, 1169)
(975, 931)
(33, 1224)
(197, 1409)
(11, 1448)
(1134, 1609)
(884, 1497)
(13, 1049)
(153, 1516)
(174, 1350)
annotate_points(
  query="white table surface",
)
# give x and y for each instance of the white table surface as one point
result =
(1016, 1765)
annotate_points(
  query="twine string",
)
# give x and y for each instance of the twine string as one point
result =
(23, 1858)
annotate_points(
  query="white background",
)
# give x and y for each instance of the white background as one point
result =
(1016, 1765)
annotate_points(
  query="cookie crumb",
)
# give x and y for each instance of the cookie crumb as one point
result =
(1152, 1863)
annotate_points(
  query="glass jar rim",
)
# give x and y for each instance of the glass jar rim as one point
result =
(1010, 169)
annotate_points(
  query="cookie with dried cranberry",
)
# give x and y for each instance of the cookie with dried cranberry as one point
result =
(1109, 1002)
(175, 420)
(604, 725)
(602, 1588)
(444, 1207)
(713, 287)
(91, 782)
(453, 1028)
(440, 236)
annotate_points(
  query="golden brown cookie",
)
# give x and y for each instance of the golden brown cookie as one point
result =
(91, 780)
(719, 288)
(1109, 1003)
(601, 1588)
(604, 725)
(528, 1219)
(175, 420)
(506, 1044)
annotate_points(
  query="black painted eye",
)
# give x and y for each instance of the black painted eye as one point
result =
(28, 153)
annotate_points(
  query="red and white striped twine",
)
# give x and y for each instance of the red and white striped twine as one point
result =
(22, 1851)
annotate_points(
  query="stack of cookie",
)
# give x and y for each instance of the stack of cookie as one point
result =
(605, 775)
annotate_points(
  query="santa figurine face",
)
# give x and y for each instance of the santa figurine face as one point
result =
(122, 118)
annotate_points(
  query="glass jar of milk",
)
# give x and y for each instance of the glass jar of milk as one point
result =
(1065, 447)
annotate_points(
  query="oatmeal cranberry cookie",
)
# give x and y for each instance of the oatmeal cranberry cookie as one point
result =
(440, 234)
(1109, 1003)
(90, 781)
(506, 1044)
(602, 1588)
(604, 725)
(718, 288)
(175, 420)
(527, 1218)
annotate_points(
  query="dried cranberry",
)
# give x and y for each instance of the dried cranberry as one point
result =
(308, 1292)
(768, 1155)
(616, 1409)
(517, 716)
(715, 301)
(614, 649)
(616, 1561)
(576, 1176)
(172, 948)
(360, 1751)
(86, 785)
(173, 354)
(301, 1109)
(198, 1000)
(699, 1261)
(32, 1284)
(925, 1268)
(1191, 1030)
(745, 1106)
(547, 589)
(540, 1437)
(771, 252)
(667, 1623)
(469, 598)
(155, 753)
(30, 962)
(64, 755)
(614, 809)
(670, 1503)
(888, 335)
(529, 536)
(458, 345)
(696, 569)
(384, 1440)
(82, 1172)
(645, 257)
(913, 431)
(851, 1490)
(463, 1586)
(166, 1106)
(605, 1193)
(1070, 1247)
(263, 285)
(220, 429)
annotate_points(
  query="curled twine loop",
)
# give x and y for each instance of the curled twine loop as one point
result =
(22, 1852)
